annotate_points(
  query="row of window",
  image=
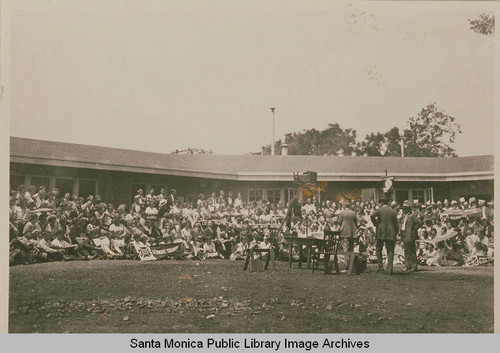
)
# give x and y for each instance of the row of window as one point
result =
(275, 195)
(81, 187)
(422, 195)
(85, 187)
(271, 195)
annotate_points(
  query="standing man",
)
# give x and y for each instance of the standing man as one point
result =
(386, 221)
(348, 227)
(171, 200)
(410, 222)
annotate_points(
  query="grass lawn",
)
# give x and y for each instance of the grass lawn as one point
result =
(218, 296)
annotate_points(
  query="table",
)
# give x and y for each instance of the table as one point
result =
(307, 242)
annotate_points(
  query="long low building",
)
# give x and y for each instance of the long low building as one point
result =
(117, 174)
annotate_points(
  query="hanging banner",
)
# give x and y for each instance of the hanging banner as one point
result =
(455, 214)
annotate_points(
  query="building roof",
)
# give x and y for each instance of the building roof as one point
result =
(250, 167)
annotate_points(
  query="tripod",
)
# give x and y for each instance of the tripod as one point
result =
(330, 237)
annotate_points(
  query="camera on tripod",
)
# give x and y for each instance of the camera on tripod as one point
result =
(305, 178)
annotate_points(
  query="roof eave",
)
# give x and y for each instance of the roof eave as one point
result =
(259, 176)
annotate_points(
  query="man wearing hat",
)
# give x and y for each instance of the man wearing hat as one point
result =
(462, 203)
(410, 223)
(386, 220)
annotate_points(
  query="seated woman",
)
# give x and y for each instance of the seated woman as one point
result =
(265, 244)
(103, 240)
(456, 254)
(478, 251)
(197, 248)
(117, 233)
(491, 247)
(185, 239)
(23, 250)
(167, 234)
(58, 242)
(223, 242)
(439, 256)
(43, 244)
(240, 248)
(209, 249)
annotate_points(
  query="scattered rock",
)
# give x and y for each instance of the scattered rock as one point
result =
(211, 316)
(125, 318)
(329, 307)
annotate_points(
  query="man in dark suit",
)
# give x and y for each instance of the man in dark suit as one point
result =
(410, 222)
(386, 221)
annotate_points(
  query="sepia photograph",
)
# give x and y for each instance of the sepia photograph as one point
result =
(250, 166)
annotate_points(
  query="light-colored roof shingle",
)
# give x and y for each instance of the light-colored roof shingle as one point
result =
(249, 167)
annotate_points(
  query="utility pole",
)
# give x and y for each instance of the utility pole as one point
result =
(272, 145)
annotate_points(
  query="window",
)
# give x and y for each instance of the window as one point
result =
(16, 181)
(273, 196)
(87, 187)
(43, 181)
(401, 196)
(418, 194)
(254, 195)
(64, 185)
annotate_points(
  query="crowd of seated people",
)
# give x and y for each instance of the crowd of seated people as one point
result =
(46, 226)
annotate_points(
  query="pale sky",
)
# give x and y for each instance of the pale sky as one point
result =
(204, 75)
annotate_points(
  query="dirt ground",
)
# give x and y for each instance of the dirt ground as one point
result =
(218, 296)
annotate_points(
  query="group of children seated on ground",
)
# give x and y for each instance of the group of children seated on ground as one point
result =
(47, 227)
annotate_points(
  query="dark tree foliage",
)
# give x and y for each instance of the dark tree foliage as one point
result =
(484, 24)
(431, 134)
(332, 141)
(381, 144)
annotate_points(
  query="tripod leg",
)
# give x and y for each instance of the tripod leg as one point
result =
(300, 256)
(336, 264)
(326, 263)
(268, 257)
(309, 251)
(247, 260)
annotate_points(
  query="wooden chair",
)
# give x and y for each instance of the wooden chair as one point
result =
(254, 259)
(329, 247)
